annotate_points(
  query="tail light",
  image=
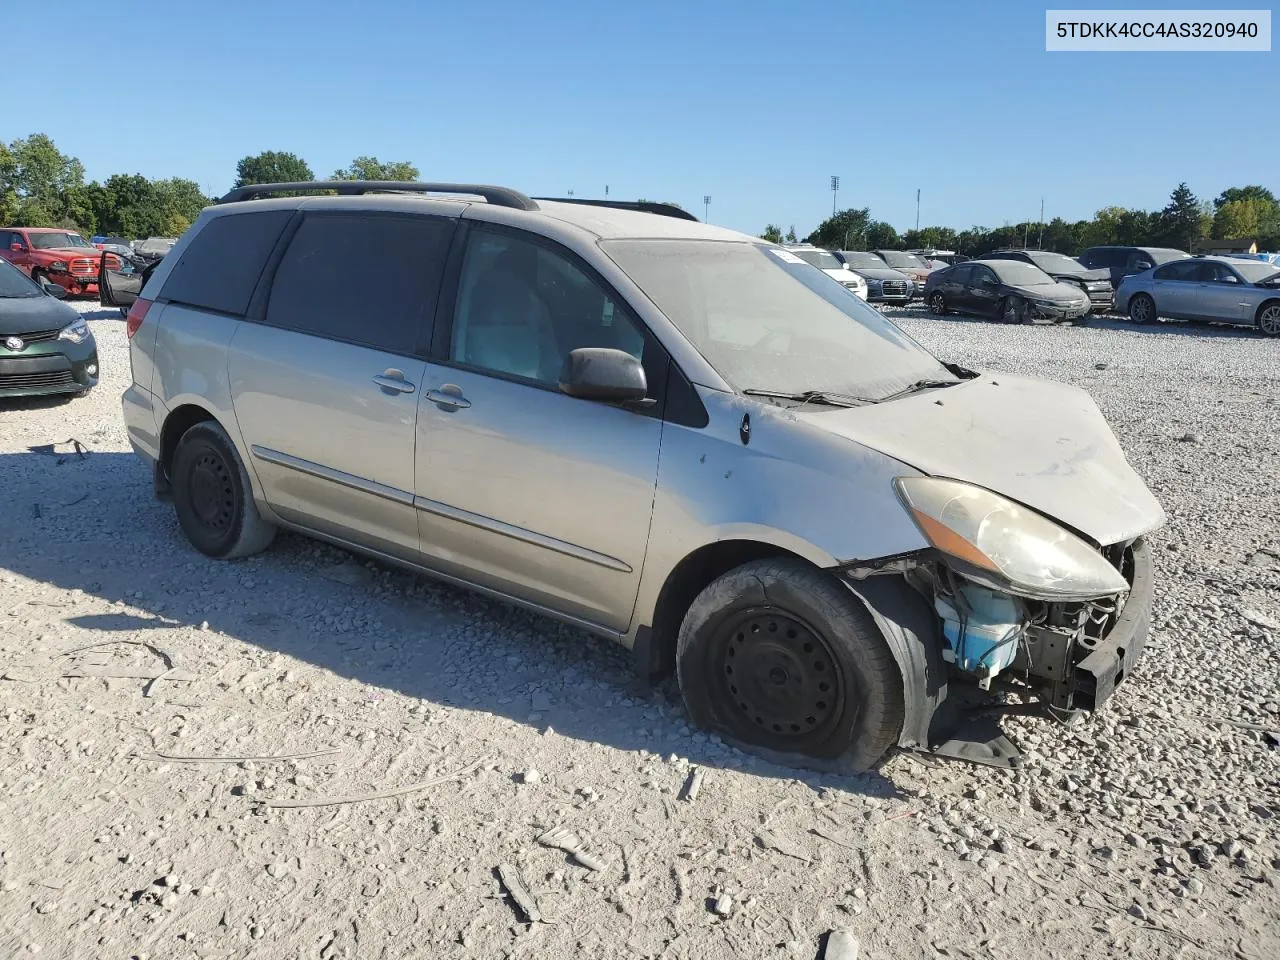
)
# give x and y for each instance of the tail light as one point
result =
(137, 313)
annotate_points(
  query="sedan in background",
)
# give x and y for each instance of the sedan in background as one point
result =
(45, 346)
(1096, 284)
(1005, 290)
(1244, 292)
(913, 266)
(884, 284)
(832, 266)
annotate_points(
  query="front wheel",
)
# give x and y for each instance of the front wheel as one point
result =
(1142, 309)
(937, 304)
(1269, 318)
(1014, 310)
(213, 497)
(783, 660)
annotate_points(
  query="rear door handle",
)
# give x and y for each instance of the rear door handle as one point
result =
(449, 396)
(393, 380)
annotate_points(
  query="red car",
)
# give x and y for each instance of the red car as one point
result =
(62, 256)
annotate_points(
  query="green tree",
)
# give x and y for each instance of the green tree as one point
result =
(791, 234)
(1244, 218)
(39, 184)
(1251, 192)
(881, 236)
(772, 233)
(1179, 223)
(371, 168)
(272, 166)
(847, 230)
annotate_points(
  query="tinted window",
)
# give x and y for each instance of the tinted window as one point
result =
(961, 275)
(7, 238)
(1105, 257)
(222, 263)
(364, 278)
(522, 307)
(981, 273)
(14, 283)
(1179, 270)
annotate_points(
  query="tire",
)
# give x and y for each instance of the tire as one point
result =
(1268, 318)
(937, 304)
(1013, 310)
(816, 684)
(1142, 309)
(213, 497)
(40, 277)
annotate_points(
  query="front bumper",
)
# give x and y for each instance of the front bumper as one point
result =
(1109, 661)
(1049, 312)
(66, 368)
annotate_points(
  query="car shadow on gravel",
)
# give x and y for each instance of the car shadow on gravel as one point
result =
(388, 629)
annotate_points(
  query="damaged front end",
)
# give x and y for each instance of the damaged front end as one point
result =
(1006, 613)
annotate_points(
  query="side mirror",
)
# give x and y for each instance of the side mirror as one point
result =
(17, 247)
(54, 289)
(603, 373)
(1142, 265)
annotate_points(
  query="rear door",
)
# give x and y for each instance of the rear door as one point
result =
(522, 489)
(326, 384)
(1174, 288)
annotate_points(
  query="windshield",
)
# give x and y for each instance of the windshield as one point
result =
(818, 258)
(1018, 274)
(766, 320)
(1255, 271)
(1057, 263)
(896, 258)
(54, 241)
(14, 283)
(862, 260)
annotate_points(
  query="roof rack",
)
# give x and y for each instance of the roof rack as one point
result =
(643, 206)
(498, 196)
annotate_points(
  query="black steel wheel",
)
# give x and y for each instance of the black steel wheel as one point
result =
(782, 659)
(213, 497)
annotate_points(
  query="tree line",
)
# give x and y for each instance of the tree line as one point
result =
(1185, 222)
(40, 186)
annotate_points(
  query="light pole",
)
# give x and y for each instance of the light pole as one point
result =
(917, 209)
(706, 208)
(571, 191)
(835, 188)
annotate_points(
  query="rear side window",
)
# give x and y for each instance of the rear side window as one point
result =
(1179, 270)
(1106, 257)
(222, 263)
(363, 278)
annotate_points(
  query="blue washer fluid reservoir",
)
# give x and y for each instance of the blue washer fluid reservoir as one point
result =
(984, 639)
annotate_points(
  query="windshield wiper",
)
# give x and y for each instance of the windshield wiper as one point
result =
(811, 396)
(917, 387)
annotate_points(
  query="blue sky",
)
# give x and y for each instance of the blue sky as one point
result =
(755, 102)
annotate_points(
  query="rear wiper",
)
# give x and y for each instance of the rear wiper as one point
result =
(917, 387)
(810, 396)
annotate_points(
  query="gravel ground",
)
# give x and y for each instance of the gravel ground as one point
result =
(1147, 831)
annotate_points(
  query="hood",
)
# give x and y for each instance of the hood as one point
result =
(19, 315)
(880, 273)
(844, 276)
(68, 253)
(1059, 291)
(1045, 445)
(1103, 273)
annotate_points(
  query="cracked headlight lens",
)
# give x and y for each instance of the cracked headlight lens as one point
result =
(1007, 545)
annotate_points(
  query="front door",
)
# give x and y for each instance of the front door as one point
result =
(983, 291)
(1223, 294)
(521, 488)
(326, 387)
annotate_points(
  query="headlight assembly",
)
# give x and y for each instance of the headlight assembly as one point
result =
(59, 265)
(76, 332)
(1006, 545)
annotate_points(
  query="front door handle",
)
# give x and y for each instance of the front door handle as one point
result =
(393, 380)
(449, 396)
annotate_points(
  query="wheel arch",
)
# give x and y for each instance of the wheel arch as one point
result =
(1257, 314)
(177, 422)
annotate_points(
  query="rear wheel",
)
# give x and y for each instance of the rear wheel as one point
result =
(1268, 318)
(937, 304)
(1142, 309)
(783, 660)
(213, 497)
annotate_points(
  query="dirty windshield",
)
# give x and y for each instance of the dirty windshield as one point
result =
(766, 320)
(55, 241)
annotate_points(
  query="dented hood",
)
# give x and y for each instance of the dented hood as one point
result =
(1045, 445)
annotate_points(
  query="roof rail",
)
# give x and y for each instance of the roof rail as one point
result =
(498, 196)
(643, 206)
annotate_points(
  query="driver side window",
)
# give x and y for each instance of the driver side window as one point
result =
(522, 307)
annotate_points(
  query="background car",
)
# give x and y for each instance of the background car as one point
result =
(1096, 284)
(62, 256)
(908, 263)
(1205, 288)
(884, 284)
(1007, 290)
(45, 346)
(1124, 261)
(152, 248)
(831, 265)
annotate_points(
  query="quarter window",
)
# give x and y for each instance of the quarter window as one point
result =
(523, 307)
(362, 278)
(222, 263)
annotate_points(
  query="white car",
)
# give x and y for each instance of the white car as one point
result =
(831, 265)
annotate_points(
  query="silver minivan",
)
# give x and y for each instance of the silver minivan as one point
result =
(673, 435)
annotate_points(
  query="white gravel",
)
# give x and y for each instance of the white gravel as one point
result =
(1149, 830)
